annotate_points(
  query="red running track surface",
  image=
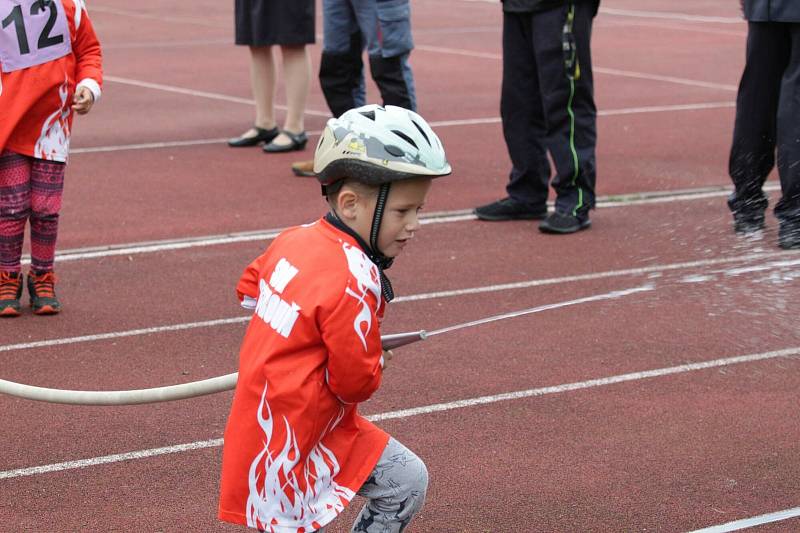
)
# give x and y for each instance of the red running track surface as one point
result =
(591, 443)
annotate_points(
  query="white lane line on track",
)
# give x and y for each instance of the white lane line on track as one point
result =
(95, 252)
(423, 410)
(436, 49)
(649, 14)
(229, 40)
(596, 69)
(436, 124)
(122, 334)
(664, 15)
(138, 14)
(201, 94)
(752, 522)
(670, 16)
(616, 24)
(527, 284)
(456, 51)
(149, 146)
(168, 44)
(668, 79)
(107, 459)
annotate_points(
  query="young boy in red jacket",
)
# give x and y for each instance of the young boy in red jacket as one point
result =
(50, 66)
(296, 449)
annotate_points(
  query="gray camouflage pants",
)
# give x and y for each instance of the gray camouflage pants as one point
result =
(395, 491)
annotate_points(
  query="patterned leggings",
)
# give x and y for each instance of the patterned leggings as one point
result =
(29, 189)
(395, 491)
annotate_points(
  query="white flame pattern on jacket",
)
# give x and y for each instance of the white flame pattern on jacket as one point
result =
(53, 143)
(276, 500)
(366, 273)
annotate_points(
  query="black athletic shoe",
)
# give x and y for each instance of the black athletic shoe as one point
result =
(789, 236)
(563, 223)
(509, 209)
(746, 222)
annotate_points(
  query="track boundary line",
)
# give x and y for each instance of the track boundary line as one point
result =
(671, 15)
(201, 94)
(425, 48)
(161, 18)
(684, 17)
(661, 25)
(423, 410)
(614, 12)
(598, 69)
(441, 217)
(752, 522)
(667, 79)
(167, 44)
(527, 284)
(230, 40)
(437, 124)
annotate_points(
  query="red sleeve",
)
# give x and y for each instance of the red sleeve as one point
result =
(352, 336)
(86, 47)
(247, 288)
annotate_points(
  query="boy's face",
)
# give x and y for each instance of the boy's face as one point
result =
(400, 216)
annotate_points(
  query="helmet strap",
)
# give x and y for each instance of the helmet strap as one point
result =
(377, 218)
(380, 260)
(375, 253)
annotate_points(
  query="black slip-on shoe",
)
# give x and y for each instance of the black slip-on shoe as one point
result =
(509, 209)
(262, 136)
(298, 142)
(563, 223)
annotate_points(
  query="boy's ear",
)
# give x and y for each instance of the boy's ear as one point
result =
(347, 203)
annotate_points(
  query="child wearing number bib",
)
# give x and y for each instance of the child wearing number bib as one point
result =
(50, 66)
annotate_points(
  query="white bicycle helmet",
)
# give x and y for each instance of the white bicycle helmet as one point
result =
(375, 145)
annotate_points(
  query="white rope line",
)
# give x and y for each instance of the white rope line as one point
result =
(228, 381)
(423, 410)
(120, 397)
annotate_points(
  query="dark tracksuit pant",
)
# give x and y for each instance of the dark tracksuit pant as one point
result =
(547, 104)
(768, 115)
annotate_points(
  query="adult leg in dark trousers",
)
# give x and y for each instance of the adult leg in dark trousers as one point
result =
(768, 116)
(350, 26)
(341, 76)
(384, 29)
(547, 104)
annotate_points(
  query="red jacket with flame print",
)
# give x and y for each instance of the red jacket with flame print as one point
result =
(296, 449)
(35, 102)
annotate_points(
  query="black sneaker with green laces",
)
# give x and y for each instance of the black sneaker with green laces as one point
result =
(41, 287)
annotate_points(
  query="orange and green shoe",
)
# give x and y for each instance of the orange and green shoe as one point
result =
(41, 287)
(10, 293)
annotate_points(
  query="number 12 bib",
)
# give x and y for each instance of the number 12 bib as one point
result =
(32, 32)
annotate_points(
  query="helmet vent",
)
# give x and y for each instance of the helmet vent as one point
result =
(394, 150)
(369, 114)
(421, 131)
(406, 138)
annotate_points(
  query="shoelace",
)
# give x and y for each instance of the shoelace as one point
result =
(8, 286)
(44, 285)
